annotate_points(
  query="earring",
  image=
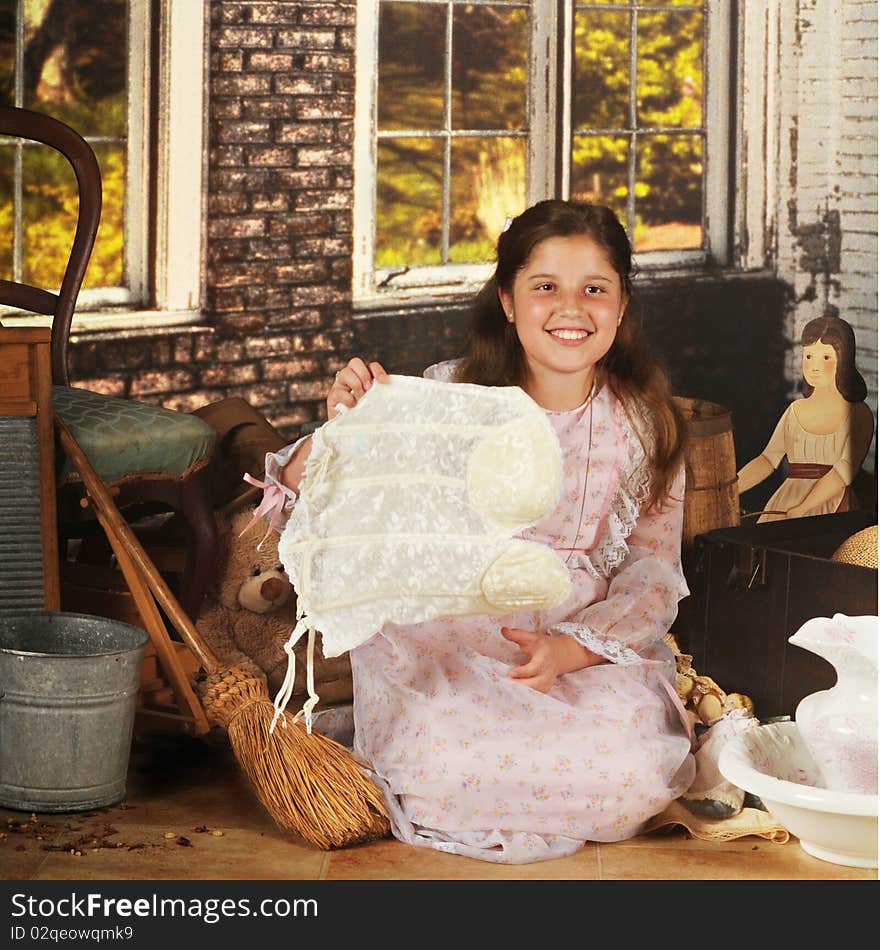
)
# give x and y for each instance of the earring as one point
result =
(510, 317)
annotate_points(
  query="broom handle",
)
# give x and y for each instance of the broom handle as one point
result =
(114, 523)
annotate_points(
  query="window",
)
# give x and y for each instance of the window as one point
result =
(469, 111)
(90, 65)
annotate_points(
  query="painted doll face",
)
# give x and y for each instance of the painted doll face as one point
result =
(567, 301)
(820, 365)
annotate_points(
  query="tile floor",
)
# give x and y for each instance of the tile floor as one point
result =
(189, 814)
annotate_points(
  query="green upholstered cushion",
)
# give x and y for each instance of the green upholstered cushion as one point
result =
(121, 437)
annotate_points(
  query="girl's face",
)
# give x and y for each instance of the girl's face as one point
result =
(820, 365)
(567, 301)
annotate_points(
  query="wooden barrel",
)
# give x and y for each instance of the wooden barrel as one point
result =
(711, 496)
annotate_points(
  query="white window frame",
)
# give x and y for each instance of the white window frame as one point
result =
(177, 269)
(546, 177)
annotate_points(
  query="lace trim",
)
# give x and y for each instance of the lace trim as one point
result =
(631, 494)
(611, 649)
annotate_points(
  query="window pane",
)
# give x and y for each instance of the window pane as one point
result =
(7, 159)
(409, 203)
(105, 265)
(598, 171)
(488, 186)
(670, 69)
(489, 65)
(600, 92)
(75, 63)
(668, 199)
(49, 207)
(412, 41)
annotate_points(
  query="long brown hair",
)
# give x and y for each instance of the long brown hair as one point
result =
(495, 356)
(835, 332)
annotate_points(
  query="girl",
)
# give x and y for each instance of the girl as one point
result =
(825, 435)
(519, 739)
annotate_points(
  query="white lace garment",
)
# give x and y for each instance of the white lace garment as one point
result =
(408, 509)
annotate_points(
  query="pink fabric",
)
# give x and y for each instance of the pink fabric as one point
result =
(271, 506)
(477, 764)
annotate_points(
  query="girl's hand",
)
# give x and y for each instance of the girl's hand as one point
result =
(548, 657)
(351, 382)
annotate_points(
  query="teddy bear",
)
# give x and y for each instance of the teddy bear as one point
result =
(250, 611)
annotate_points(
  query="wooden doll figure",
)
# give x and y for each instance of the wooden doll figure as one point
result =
(825, 435)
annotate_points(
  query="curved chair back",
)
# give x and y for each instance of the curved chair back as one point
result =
(33, 126)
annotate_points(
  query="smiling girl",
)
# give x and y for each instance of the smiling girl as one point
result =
(519, 738)
(825, 435)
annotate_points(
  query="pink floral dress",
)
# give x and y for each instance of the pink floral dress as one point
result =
(474, 763)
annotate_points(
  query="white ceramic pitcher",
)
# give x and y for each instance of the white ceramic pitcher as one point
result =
(839, 725)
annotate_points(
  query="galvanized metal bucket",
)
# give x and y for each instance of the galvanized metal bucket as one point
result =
(68, 689)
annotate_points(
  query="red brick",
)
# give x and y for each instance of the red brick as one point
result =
(228, 62)
(243, 132)
(275, 107)
(295, 179)
(324, 156)
(308, 389)
(310, 133)
(340, 13)
(326, 247)
(225, 109)
(227, 155)
(321, 108)
(227, 202)
(289, 369)
(242, 38)
(271, 62)
(238, 179)
(269, 249)
(328, 62)
(239, 275)
(182, 347)
(271, 156)
(157, 382)
(278, 201)
(236, 227)
(307, 39)
(293, 224)
(274, 14)
(229, 374)
(304, 85)
(319, 200)
(244, 85)
(228, 351)
(106, 385)
(300, 273)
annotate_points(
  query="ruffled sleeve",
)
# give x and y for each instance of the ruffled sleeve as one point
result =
(640, 553)
(278, 500)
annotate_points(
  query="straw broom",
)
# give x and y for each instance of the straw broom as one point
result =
(308, 783)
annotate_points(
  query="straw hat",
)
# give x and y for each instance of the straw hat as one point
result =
(859, 548)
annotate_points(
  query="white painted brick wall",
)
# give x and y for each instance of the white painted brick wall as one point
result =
(826, 94)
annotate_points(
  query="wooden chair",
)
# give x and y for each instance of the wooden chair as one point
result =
(151, 458)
